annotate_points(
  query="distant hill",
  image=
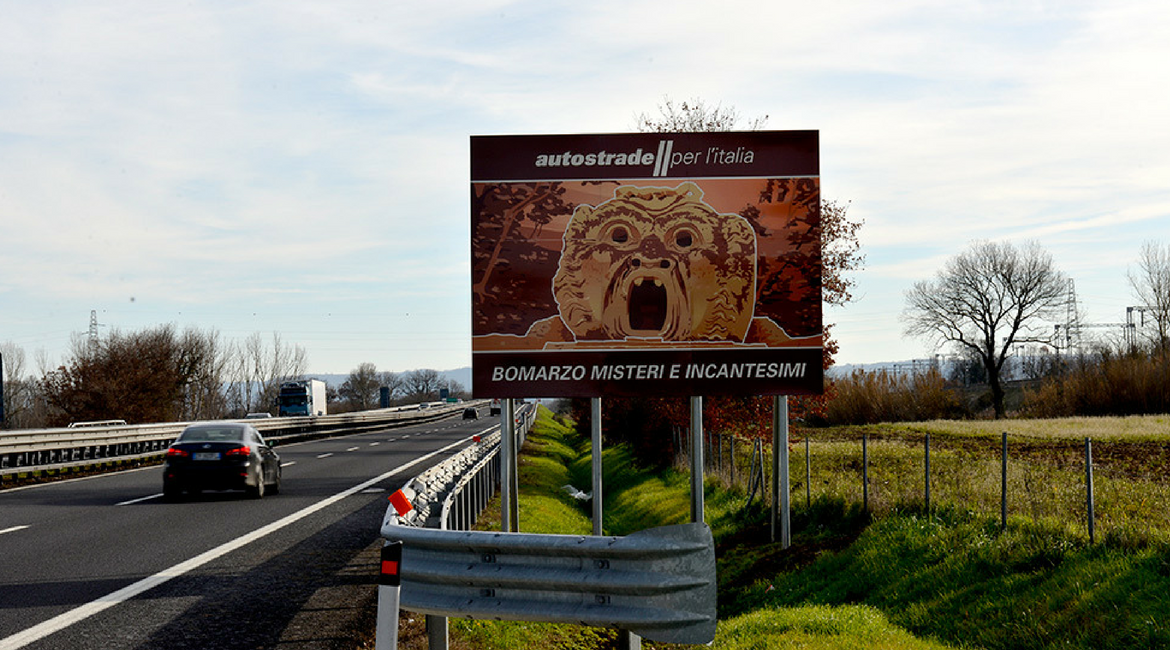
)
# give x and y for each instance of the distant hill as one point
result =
(461, 375)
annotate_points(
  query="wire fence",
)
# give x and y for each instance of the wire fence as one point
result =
(1113, 490)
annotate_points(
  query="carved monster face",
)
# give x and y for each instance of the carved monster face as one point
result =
(657, 263)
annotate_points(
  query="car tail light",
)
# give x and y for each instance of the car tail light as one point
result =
(238, 451)
(177, 453)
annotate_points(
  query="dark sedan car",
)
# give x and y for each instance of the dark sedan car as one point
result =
(221, 456)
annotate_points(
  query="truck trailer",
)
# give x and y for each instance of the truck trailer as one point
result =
(306, 397)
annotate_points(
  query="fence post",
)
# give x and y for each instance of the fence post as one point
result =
(731, 445)
(1003, 484)
(1089, 488)
(807, 473)
(865, 471)
(927, 474)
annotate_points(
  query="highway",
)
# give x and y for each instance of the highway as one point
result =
(104, 562)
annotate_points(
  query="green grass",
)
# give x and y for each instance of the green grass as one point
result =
(958, 577)
(636, 499)
(817, 627)
(893, 576)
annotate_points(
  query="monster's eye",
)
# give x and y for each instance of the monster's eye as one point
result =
(683, 239)
(620, 235)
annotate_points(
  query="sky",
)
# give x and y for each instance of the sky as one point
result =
(301, 168)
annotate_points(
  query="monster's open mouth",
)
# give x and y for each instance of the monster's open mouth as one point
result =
(648, 305)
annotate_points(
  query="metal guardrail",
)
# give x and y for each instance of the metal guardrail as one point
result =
(471, 494)
(658, 583)
(453, 493)
(33, 450)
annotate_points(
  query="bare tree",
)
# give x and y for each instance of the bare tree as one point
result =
(1151, 286)
(395, 382)
(259, 370)
(454, 387)
(361, 389)
(422, 385)
(204, 365)
(18, 389)
(694, 115)
(985, 301)
(144, 376)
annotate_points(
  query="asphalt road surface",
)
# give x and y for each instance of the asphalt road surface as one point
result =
(104, 562)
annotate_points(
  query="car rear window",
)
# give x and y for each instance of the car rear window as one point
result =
(212, 434)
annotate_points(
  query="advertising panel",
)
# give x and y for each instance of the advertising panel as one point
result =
(651, 264)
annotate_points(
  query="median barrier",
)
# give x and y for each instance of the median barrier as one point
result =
(37, 450)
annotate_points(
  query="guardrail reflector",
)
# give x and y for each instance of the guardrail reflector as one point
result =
(401, 503)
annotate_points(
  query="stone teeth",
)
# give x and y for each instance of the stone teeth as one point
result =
(657, 282)
(638, 282)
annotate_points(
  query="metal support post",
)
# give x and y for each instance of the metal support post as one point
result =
(437, 632)
(697, 459)
(780, 495)
(596, 439)
(510, 483)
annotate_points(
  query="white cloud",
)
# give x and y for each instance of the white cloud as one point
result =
(307, 154)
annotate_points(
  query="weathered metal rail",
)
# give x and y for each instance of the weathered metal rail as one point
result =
(35, 450)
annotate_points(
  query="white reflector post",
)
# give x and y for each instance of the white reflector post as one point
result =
(389, 585)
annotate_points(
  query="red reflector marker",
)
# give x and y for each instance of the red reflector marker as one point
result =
(391, 559)
(401, 503)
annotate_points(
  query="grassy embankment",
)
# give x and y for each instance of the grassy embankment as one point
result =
(902, 579)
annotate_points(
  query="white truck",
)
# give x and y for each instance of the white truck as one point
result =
(305, 397)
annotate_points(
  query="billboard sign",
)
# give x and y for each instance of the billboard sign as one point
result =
(646, 264)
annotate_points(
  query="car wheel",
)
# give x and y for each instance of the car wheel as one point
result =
(257, 491)
(171, 493)
(275, 487)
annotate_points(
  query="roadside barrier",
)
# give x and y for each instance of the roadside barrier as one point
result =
(37, 450)
(658, 583)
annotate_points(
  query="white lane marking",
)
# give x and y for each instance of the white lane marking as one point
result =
(375, 444)
(324, 455)
(126, 503)
(353, 449)
(289, 463)
(12, 529)
(62, 621)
